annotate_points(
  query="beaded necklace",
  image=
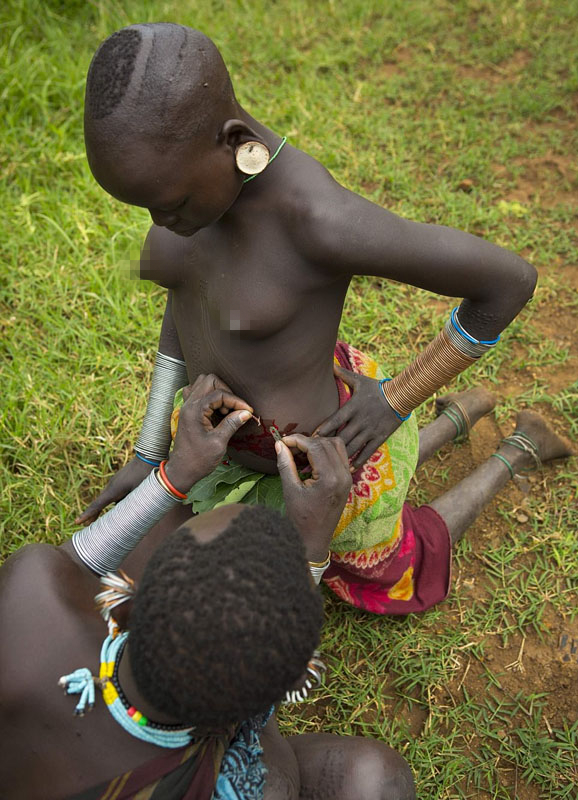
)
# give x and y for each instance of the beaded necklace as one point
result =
(119, 588)
(126, 715)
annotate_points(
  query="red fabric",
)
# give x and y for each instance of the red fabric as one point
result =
(425, 547)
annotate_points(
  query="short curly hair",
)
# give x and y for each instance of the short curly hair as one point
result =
(219, 631)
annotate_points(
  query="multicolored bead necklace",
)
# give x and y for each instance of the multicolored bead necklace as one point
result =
(83, 682)
(126, 715)
(118, 589)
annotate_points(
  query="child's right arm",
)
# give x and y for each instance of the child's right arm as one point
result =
(159, 262)
(152, 447)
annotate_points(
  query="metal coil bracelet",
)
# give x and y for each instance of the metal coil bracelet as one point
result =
(451, 352)
(436, 365)
(105, 543)
(169, 375)
(465, 343)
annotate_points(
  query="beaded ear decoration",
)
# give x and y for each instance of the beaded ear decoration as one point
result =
(119, 589)
(315, 670)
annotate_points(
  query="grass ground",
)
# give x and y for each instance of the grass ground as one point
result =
(462, 113)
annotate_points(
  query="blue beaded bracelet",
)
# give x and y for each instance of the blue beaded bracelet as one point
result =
(403, 419)
(457, 325)
(147, 460)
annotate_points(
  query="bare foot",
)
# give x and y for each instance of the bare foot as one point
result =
(550, 445)
(476, 402)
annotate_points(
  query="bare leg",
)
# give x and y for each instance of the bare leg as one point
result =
(460, 506)
(320, 766)
(282, 781)
(476, 402)
(350, 768)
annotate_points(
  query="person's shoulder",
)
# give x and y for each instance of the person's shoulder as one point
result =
(321, 209)
(309, 188)
(29, 576)
(29, 558)
(163, 257)
(22, 581)
(37, 625)
(37, 584)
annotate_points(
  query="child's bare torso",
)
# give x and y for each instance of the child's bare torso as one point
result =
(250, 307)
(259, 320)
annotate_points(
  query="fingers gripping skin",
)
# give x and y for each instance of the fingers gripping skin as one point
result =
(199, 444)
(198, 448)
(315, 504)
(366, 420)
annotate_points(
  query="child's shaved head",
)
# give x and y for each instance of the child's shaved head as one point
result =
(163, 81)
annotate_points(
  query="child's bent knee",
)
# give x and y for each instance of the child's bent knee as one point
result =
(376, 772)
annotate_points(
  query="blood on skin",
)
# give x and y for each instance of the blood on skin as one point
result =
(262, 442)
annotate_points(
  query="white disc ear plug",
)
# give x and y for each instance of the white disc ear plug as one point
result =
(252, 157)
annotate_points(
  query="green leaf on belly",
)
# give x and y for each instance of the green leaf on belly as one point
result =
(267, 492)
(229, 475)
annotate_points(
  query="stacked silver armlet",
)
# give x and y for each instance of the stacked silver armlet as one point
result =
(104, 544)
(318, 568)
(452, 351)
(169, 375)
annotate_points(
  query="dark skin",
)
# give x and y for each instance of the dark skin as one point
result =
(257, 275)
(49, 627)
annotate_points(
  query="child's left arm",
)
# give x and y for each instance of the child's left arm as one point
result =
(350, 235)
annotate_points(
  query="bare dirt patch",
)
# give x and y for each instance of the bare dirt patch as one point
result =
(506, 71)
(548, 180)
(397, 62)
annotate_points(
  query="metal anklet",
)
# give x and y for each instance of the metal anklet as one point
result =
(461, 419)
(527, 445)
(505, 461)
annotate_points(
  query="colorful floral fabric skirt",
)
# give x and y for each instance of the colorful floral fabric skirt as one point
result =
(386, 557)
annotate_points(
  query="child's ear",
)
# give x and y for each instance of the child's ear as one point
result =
(251, 153)
(235, 132)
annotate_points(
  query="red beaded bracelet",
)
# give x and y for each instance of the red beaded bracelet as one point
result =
(168, 484)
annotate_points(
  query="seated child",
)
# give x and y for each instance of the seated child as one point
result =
(256, 244)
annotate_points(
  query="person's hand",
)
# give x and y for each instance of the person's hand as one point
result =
(367, 418)
(314, 505)
(200, 443)
(121, 484)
